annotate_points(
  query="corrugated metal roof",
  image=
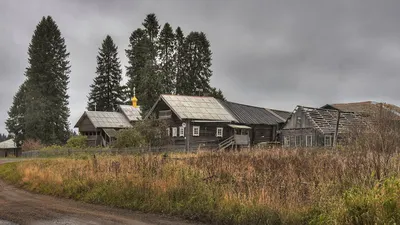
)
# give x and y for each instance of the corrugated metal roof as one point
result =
(8, 144)
(106, 119)
(251, 115)
(132, 113)
(196, 107)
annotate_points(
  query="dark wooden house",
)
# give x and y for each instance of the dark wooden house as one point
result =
(101, 127)
(205, 121)
(264, 123)
(317, 127)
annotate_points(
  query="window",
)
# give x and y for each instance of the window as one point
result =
(309, 141)
(298, 141)
(168, 132)
(220, 132)
(328, 140)
(196, 131)
(181, 131)
(174, 132)
(286, 141)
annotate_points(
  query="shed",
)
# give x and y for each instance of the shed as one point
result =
(8, 148)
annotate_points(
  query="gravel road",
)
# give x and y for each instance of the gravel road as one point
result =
(21, 207)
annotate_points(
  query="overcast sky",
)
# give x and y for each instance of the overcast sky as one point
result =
(276, 54)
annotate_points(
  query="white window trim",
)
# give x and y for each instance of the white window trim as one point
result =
(174, 132)
(309, 144)
(221, 130)
(286, 141)
(330, 140)
(196, 134)
(168, 132)
(181, 131)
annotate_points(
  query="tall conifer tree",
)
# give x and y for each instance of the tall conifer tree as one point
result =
(179, 60)
(15, 122)
(106, 91)
(166, 58)
(46, 98)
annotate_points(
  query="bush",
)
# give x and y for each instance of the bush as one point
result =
(127, 138)
(31, 144)
(77, 142)
(52, 147)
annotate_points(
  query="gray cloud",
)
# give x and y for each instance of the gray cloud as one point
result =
(269, 53)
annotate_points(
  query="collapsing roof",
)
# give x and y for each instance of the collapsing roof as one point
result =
(246, 114)
(325, 120)
(196, 107)
(367, 108)
(105, 119)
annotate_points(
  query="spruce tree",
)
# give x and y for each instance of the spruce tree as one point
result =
(106, 91)
(179, 60)
(166, 45)
(47, 112)
(137, 54)
(15, 122)
(216, 94)
(197, 62)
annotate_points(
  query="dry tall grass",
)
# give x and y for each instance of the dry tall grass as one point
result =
(250, 187)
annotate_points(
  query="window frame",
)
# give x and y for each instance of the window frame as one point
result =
(196, 134)
(309, 144)
(181, 131)
(300, 140)
(219, 129)
(168, 132)
(330, 140)
(286, 141)
(174, 132)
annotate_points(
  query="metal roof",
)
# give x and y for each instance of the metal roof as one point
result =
(101, 119)
(235, 126)
(196, 107)
(132, 113)
(251, 114)
(8, 144)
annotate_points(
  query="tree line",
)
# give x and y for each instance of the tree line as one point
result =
(160, 61)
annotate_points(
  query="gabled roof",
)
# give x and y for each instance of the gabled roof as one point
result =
(246, 114)
(325, 120)
(101, 119)
(195, 107)
(130, 112)
(9, 144)
(367, 108)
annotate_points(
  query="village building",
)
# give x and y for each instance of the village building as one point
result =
(318, 127)
(9, 148)
(263, 123)
(101, 127)
(205, 121)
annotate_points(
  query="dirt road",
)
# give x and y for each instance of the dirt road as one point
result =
(21, 207)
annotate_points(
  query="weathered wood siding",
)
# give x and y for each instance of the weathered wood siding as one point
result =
(262, 133)
(86, 126)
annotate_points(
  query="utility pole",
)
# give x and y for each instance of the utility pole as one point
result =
(337, 129)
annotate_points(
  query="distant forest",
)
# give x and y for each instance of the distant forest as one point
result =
(4, 137)
(161, 60)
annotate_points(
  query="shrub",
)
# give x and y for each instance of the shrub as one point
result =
(77, 142)
(129, 138)
(52, 147)
(31, 144)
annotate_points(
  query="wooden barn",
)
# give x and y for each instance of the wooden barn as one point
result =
(205, 121)
(101, 127)
(263, 123)
(317, 127)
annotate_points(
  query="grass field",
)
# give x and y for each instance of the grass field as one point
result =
(258, 187)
